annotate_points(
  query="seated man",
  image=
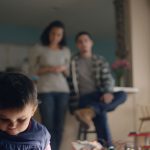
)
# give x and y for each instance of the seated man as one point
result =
(91, 85)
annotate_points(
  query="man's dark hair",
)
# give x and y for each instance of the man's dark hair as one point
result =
(16, 90)
(83, 33)
(45, 35)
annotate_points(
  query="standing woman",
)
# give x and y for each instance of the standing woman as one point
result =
(50, 62)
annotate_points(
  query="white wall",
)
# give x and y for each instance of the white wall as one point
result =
(12, 55)
(140, 47)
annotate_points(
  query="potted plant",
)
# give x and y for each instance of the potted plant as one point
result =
(120, 68)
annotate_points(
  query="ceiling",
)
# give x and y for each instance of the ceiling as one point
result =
(96, 16)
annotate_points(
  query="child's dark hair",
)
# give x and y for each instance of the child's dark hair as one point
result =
(82, 33)
(45, 35)
(16, 91)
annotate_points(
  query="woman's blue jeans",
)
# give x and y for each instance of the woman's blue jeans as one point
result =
(100, 121)
(52, 109)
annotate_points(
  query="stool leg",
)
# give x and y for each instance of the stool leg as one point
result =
(79, 132)
(141, 124)
(84, 134)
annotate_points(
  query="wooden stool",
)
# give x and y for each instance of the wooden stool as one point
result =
(83, 132)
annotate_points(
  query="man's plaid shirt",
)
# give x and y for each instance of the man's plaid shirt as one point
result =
(101, 73)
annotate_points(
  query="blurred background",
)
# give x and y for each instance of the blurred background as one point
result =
(21, 24)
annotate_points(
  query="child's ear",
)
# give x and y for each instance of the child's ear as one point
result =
(34, 109)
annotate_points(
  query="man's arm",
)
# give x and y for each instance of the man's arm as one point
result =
(107, 82)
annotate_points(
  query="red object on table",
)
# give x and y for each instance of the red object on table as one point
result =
(146, 146)
(146, 134)
(136, 135)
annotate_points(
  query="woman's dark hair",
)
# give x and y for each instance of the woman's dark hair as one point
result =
(16, 90)
(83, 33)
(45, 35)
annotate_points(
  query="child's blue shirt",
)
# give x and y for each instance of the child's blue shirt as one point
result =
(36, 137)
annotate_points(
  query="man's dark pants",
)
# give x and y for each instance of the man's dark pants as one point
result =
(92, 100)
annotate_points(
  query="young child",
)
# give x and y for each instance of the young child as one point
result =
(18, 103)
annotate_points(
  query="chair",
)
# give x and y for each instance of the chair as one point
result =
(145, 112)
